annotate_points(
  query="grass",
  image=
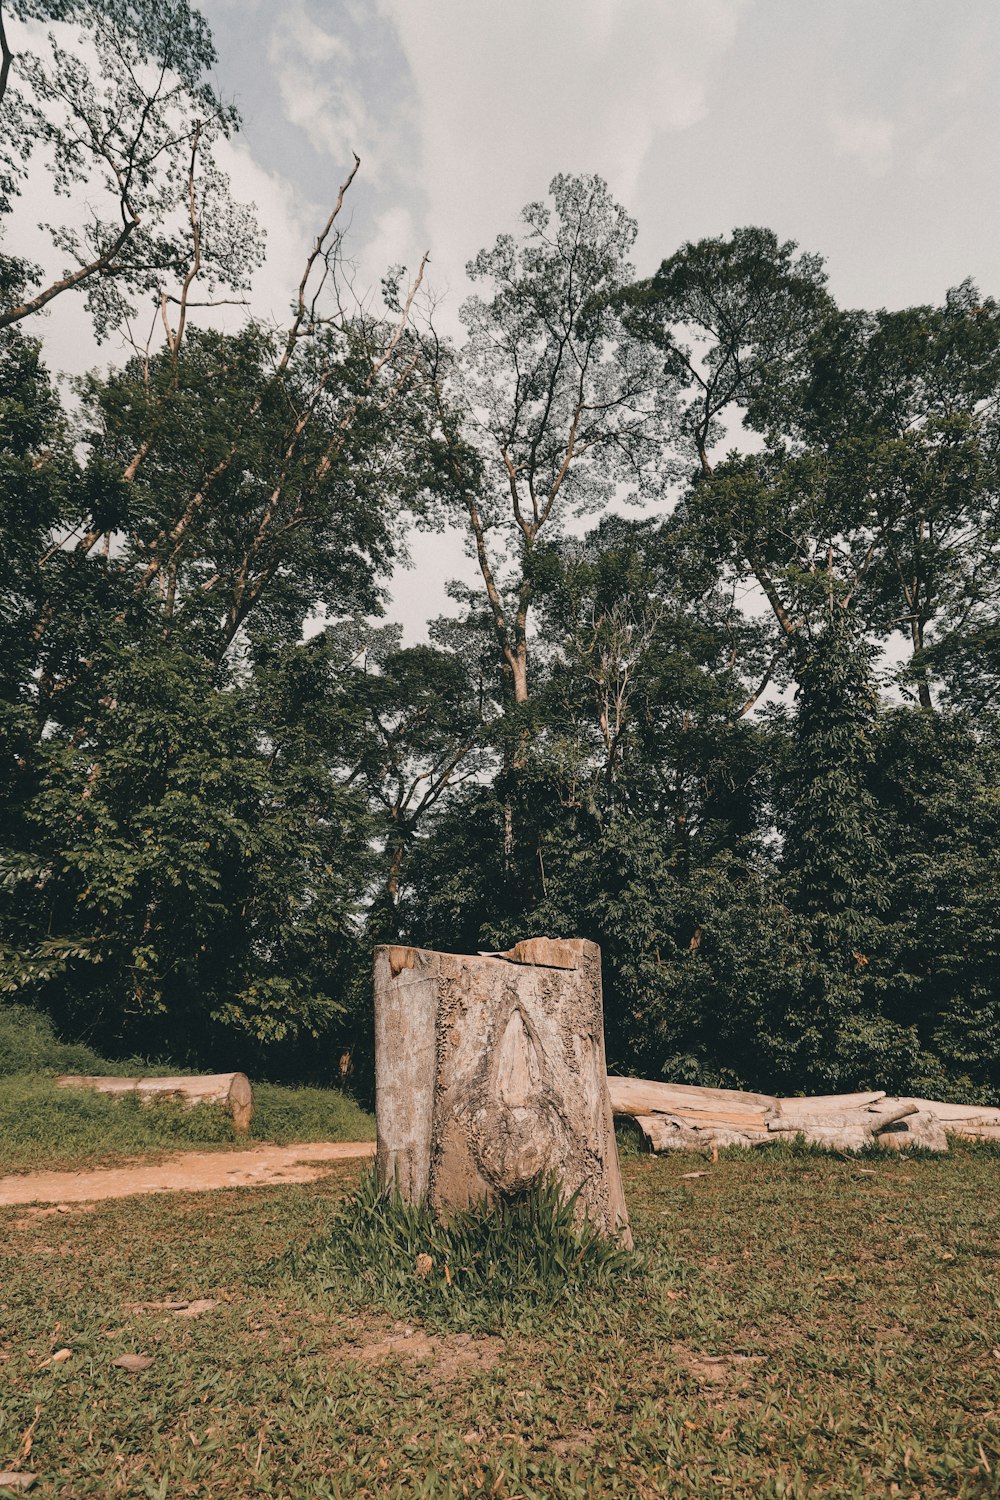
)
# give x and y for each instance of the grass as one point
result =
(802, 1326)
(486, 1269)
(42, 1126)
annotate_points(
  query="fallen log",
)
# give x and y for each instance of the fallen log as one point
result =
(827, 1103)
(970, 1130)
(943, 1111)
(644, 1096)
(870, 1120)
(722, 1117)
(232, 1091)
(678, 1117)
(918, 1129)
(670, 1133)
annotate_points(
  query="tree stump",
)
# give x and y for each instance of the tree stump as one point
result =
(490, 1071)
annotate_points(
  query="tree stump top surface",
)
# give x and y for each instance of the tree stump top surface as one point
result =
(542, 952)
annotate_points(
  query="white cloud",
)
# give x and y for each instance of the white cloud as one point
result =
(290, 225)
(868, 139)
(319, 90)
(510, 94)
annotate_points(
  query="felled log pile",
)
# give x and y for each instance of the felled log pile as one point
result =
(682, 1117)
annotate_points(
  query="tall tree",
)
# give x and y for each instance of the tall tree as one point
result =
(419, 739)
(561, 406)
(909, 402)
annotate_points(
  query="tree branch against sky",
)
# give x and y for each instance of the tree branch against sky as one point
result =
(562, 407)
(112, 100)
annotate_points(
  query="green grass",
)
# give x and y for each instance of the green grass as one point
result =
(487, 1269)
(43, 1126)
(803, 1326)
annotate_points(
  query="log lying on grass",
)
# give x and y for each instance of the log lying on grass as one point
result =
(976, 1121)
(840, 1129)
(232, 1091)
(683, 1117)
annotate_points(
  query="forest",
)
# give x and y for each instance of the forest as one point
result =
(724, 697)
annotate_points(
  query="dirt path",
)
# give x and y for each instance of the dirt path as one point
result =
(186, 1172)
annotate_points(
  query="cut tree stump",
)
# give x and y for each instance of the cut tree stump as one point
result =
(490, 1072)
(232, 1091)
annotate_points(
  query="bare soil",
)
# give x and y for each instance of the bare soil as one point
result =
(185, 1172)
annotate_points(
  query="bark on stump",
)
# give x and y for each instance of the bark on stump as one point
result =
(490, 1071)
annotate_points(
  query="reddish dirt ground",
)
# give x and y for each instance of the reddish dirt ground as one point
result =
(187, 1171)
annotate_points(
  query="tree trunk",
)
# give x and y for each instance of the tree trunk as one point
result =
(230, 1090)
(490, 1071)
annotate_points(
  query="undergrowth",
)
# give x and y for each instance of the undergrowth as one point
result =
(493, 1266)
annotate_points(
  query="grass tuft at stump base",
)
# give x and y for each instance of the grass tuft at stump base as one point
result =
(490, 1266)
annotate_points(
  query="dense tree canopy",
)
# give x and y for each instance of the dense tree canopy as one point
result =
(746, 737)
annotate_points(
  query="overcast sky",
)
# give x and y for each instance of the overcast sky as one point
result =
(864, 129)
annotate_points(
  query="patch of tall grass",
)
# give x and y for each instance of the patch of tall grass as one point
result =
(45, 1126)
(493, 1266)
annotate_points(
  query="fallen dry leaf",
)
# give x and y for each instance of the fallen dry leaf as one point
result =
(686, 1176)
(28, 1438)
(133, 1362)
(60, 1357)
(196, 1308)
(9, 1480)
(424, 1265)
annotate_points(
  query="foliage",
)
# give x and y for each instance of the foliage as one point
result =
(171, 874)
(936, 783)
(748, 744)
(28, 1044)
(114, 101)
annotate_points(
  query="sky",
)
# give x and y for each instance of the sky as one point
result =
(866, 130)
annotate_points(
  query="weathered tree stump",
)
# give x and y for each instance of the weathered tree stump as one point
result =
(490, 1071)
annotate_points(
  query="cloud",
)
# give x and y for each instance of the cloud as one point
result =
(868, 139)
(317, 79)
(288, 223)
(510, 94)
